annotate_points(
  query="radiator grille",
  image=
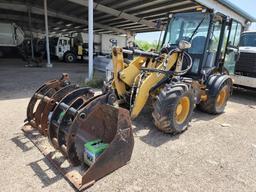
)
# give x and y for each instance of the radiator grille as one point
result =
(247, 64)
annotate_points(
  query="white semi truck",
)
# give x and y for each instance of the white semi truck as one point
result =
(11, 36)
(245, 68)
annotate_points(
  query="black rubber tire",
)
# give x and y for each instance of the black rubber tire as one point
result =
(70, 57)
(209, 106)
(164, 108)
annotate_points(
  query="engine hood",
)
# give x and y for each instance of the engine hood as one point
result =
(247, 49)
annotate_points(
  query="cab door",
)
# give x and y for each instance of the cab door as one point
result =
(59, 48)
(66, 46)
(62, 47)
(232, 51)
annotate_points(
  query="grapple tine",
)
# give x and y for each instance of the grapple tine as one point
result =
(61, 118)
(50, 104)
(47, 89)
(39, 110)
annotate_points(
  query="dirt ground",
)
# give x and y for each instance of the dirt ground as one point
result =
(216, 153)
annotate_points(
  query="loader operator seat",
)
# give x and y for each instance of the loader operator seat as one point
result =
(196, 52)
(197, 45)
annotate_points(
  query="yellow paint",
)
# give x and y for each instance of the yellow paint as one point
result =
(204, 97)
(128, 74)
(148, 83)
(152, 64)
(182, 110)
(221, 98)
(179, 109)
(80, 50)
(118, 65)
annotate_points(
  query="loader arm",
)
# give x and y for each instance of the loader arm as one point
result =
(151, 80)
(124, 75)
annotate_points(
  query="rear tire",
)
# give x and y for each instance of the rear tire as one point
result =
(70, 57)
(173, 108)
(216, 104)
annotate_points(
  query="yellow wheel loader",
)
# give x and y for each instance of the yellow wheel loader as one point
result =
(189, 71)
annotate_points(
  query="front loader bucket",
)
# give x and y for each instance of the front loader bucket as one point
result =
(111, 125)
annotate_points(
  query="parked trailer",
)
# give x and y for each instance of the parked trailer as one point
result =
(103, 43)
(72, 48)
(11, 36)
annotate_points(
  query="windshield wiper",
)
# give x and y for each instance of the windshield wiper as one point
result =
(195, 31)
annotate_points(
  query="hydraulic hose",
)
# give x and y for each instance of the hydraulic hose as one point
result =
(189, 59)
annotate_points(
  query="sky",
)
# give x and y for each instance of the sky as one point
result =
(247, 5)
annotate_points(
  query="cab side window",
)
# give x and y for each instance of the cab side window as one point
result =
(232, 52)
(65, 42)
(235, 34)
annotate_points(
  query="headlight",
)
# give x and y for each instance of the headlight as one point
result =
(184, 45)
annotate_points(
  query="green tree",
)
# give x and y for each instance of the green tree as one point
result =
(145, 45)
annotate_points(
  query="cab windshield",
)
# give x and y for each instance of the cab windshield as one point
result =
(248, 40)
(183, 26)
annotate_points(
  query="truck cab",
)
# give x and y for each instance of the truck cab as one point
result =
(247, 62)
(245, 69)
(59, 46)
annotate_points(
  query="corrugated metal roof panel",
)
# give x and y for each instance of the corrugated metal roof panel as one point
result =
(149, 10)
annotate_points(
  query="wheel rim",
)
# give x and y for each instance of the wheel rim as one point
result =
(182, 109)
(221, 98)
(70, 58)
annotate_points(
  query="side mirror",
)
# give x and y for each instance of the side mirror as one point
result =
(184, 45)
(232, 49)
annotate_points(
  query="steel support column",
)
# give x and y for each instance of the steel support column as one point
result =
(31, 34)
(47, 35)
(90, 39)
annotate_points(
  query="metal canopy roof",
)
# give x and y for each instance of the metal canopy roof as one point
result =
(110, 16)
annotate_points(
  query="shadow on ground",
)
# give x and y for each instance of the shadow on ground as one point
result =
(45, 172)
(145, 129)
(22, 142)
(244, 96)
(148, 133)
(42, 167)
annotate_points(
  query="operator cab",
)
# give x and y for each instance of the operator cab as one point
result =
(210, 35)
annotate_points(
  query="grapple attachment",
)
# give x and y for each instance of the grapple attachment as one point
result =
(89, 131)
